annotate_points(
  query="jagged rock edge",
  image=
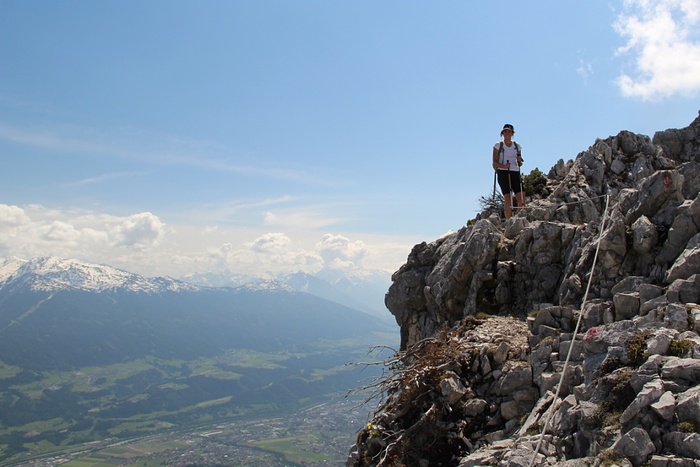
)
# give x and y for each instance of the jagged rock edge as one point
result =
(640, 330)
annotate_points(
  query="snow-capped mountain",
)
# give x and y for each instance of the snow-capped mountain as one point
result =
(51, 273)
(70, 313)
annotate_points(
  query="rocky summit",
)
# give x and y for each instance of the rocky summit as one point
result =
(567, 335)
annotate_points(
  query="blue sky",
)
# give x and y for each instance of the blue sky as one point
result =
(168, 137)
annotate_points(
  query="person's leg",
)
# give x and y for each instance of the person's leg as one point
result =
(508, 199)
(521, 201)
(504, 185)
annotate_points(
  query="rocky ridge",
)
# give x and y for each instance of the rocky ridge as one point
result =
(495, 315)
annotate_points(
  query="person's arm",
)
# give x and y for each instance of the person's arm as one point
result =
(496, 164)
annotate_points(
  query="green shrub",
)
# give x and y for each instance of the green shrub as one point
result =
(535, 183)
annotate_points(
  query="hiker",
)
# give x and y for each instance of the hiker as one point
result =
(506, 162)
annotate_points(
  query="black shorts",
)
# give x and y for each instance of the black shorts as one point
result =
(509, 181)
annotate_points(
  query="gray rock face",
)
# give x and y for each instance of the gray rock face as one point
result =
(688, 263)
(635, 445)
(626, 375)
(644, 235)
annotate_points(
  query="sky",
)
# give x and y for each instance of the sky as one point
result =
(170, 137)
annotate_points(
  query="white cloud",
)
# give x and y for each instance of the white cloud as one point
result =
(59, 231)
(664, 40)
(270, 243)
(139, 231)
(584, 70)
(272, 253)
(339, 252)
(144, 244)
(37, 231)
(12, 216)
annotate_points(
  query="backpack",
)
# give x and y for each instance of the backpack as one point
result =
(501, 150)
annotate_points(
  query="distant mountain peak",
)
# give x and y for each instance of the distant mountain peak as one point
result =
(52, 273)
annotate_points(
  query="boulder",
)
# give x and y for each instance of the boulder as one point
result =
(626, 305)
(644, 235)
(655, 191)
(676, 317)
(688, 406)
(660, 341)
(452, 388)
(651, 392)
(515, 376)
(635, 445)
(665, 407)
(474, 407)
(688, 290)
(684, 227)
(682, 368)
(683, 444)
(688, 263)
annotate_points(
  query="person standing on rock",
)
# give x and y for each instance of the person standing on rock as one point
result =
(506, 162)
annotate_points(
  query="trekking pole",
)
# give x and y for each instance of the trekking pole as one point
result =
(520, 176)
(493, 197)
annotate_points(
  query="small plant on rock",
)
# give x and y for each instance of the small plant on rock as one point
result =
(491, 204)
(549, 340)
(612, 420)
(608, 458)
(688, 427)
(680, 347)
(637, 347)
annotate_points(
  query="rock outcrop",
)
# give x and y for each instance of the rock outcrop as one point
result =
(567, 335)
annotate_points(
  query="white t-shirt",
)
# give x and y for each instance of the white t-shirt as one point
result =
(510, 155)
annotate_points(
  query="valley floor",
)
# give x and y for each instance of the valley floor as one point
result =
(317, 436)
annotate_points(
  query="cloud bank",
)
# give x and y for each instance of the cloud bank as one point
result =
(663, 38)
(144, 244)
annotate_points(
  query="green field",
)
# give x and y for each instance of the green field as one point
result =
(295, 448)
(45, 413)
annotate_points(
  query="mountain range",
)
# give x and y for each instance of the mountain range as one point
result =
(362, 291)
(69, 313)
(111, 353)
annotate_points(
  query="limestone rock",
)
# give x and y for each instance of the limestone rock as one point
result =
(488, 315)
(684, 368)
(665, 407)
(683, 444)
(688, 263)
(452, 388)
(635, 445)
(650, 393)
(688, 406)
(626, 305)
(644, 235)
